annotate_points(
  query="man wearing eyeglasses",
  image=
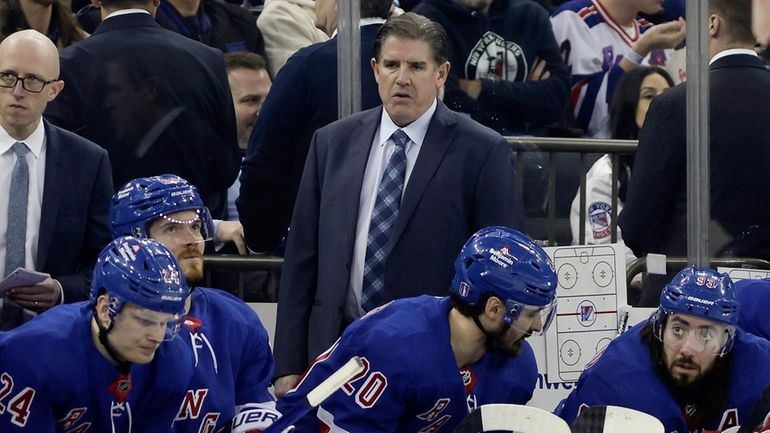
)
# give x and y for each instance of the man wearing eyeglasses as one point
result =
(688, 365)
(55, 187)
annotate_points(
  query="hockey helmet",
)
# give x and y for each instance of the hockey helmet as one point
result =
(703, 293)
(141, 201)
(142, 272)
(507, 263)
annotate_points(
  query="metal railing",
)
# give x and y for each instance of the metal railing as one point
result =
(678, 263)
(553, 146)
(215, 265)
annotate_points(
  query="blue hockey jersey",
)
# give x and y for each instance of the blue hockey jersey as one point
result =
(754, 296)
(411, 381)
(231, 357)
(624, 375)
(54, 379)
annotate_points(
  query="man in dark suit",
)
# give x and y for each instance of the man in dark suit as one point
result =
(354, 242)
(157, 101)
(55, 187)
(303, 98)
(654, 219)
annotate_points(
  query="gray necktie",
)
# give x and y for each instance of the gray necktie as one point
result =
(17, 211)
(16, 234)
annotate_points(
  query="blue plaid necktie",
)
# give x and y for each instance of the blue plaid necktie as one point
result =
(16, 235)
(384, 217)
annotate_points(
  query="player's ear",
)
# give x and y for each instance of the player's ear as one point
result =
(102, 315)
(494, 307)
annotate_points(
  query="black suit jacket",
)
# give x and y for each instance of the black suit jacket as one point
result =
(654, 217)
(157, 101)
(463, 180)
(303, 98)
(73, 216)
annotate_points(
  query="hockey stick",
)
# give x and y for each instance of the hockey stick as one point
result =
(318, 394)
(758, 414)
(511, 417)
(615, 419)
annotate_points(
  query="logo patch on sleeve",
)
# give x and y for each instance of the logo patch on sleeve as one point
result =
(599, 215)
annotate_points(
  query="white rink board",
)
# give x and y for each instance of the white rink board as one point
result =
(591, 290)
(737, 274)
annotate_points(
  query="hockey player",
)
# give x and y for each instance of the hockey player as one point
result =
(102, 365)
(601, 40)
(754, 297)
(687, 365)
(232, 357)
(430, 360)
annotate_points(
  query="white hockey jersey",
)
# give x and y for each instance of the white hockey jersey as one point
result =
(592, 45)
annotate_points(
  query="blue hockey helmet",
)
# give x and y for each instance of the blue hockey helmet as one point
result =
(143, 200)
(703, 293)
(143, 272)
(507, 263)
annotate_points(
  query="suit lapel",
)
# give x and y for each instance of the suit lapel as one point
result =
(51, 193)
(359, 147)
(434, 147)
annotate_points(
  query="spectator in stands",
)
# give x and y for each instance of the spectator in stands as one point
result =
(48, 17)
(600, 41)
(654, 219)
(628, 108)
(506, 69)
(132, 69)
(303, 99)
(215, 23)
(355, 243)
(687, 365)
(249, 84)
(55, 187)
(760, 23)
(287, 26)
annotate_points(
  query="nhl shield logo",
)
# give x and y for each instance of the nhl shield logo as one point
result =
(464, 289)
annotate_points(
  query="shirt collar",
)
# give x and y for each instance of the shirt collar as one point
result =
(732, 52)
(34, 142)
(126, 12)
(415, 130)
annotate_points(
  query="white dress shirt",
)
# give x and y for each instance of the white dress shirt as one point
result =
(379, 155)
(36, 162)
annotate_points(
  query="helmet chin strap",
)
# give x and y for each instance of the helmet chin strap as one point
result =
(122, 365)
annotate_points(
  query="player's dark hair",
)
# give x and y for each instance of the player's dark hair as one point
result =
(709, 394)
(467, 309)
(625, 99)
(245, 60)
(413, 27)
(737, 17)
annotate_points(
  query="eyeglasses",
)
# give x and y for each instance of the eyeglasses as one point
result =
(29, 83)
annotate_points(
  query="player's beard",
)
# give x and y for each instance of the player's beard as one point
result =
(508, 348)
(191, 262)
(683, 380)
